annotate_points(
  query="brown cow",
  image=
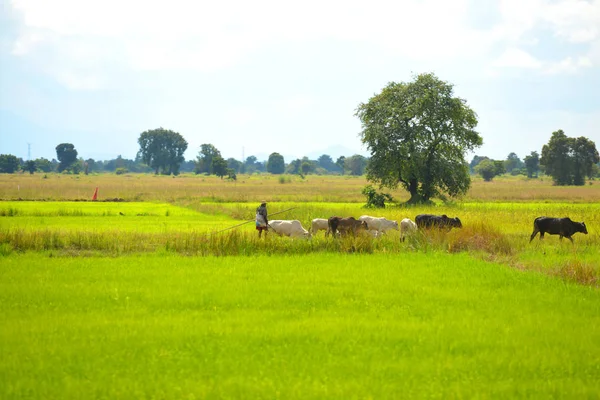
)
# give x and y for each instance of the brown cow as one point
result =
(345, 225)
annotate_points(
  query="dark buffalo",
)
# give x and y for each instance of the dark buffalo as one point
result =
(345, 225)
(437, 221)
(557, 226)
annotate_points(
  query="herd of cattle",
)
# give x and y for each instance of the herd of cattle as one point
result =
(376, 226)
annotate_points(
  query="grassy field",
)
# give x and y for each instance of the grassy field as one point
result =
(313, 326)
(253, 188)
(146, 296)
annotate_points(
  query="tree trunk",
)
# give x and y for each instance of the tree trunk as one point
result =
(415, 197)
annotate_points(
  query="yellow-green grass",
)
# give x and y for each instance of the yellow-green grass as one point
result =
(492, 231)
(314, 326)
(119, 216)
(253, 188)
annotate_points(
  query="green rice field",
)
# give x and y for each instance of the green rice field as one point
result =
(419, 325)
(171, 297)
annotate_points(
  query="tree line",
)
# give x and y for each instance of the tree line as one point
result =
(568, 160)
(418, 134)
(161, 152)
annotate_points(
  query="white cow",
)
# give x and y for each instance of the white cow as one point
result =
(407, 227)
(319, 224)
(379, 224)
(291, 228)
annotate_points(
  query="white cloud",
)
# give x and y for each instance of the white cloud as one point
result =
(516, 58)
(568, 65)
(576, 21)
(570, 21)
(207, 36)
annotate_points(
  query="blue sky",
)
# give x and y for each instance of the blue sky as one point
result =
(259, 77)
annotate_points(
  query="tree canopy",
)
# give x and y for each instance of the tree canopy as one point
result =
(162, 150)
(219, 166)
(532, 164)
(418, 134)
(512, 162)
(356, 164)
(204, 161)
(67, 156)
(8, 163)
(276, 164)
(569, 160)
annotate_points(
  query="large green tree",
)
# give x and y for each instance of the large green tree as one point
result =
(67, 156)
(356, 164)
(418, 134)
(326, 162)
(219, 166)
(204, 161)
(585, 156)
(341, 163)
(512, 162)
(532, 164)
(44, 165)
(162, 150)
(569, 160)
(276, 164)
(475, 162)
(8, 163)
(30, 166)
(487, 169)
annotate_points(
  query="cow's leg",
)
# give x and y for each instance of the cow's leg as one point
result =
(535, 231)
(570, 238)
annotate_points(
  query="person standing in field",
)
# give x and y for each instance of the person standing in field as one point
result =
(262, 220)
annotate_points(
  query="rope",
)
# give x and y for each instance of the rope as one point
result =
(251, 220)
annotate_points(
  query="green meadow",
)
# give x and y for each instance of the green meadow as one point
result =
(165, 291)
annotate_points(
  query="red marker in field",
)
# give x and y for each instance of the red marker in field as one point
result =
(95, 196)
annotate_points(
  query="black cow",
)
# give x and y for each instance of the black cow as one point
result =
(437, 221)
(557, 226)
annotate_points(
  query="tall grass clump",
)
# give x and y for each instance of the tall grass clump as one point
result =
(9, 212)
(6, 249)
(577, 271)
(480, 237)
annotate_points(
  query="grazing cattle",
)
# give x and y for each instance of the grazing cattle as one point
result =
(437, 221)
(557, 226)
(407, 227)
(291, 228)
(319, 224)
(345, 225)
(374, 234)
(380, 225)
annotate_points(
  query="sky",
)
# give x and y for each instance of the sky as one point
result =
(256, 77)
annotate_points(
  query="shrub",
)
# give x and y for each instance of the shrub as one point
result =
(375, 199)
